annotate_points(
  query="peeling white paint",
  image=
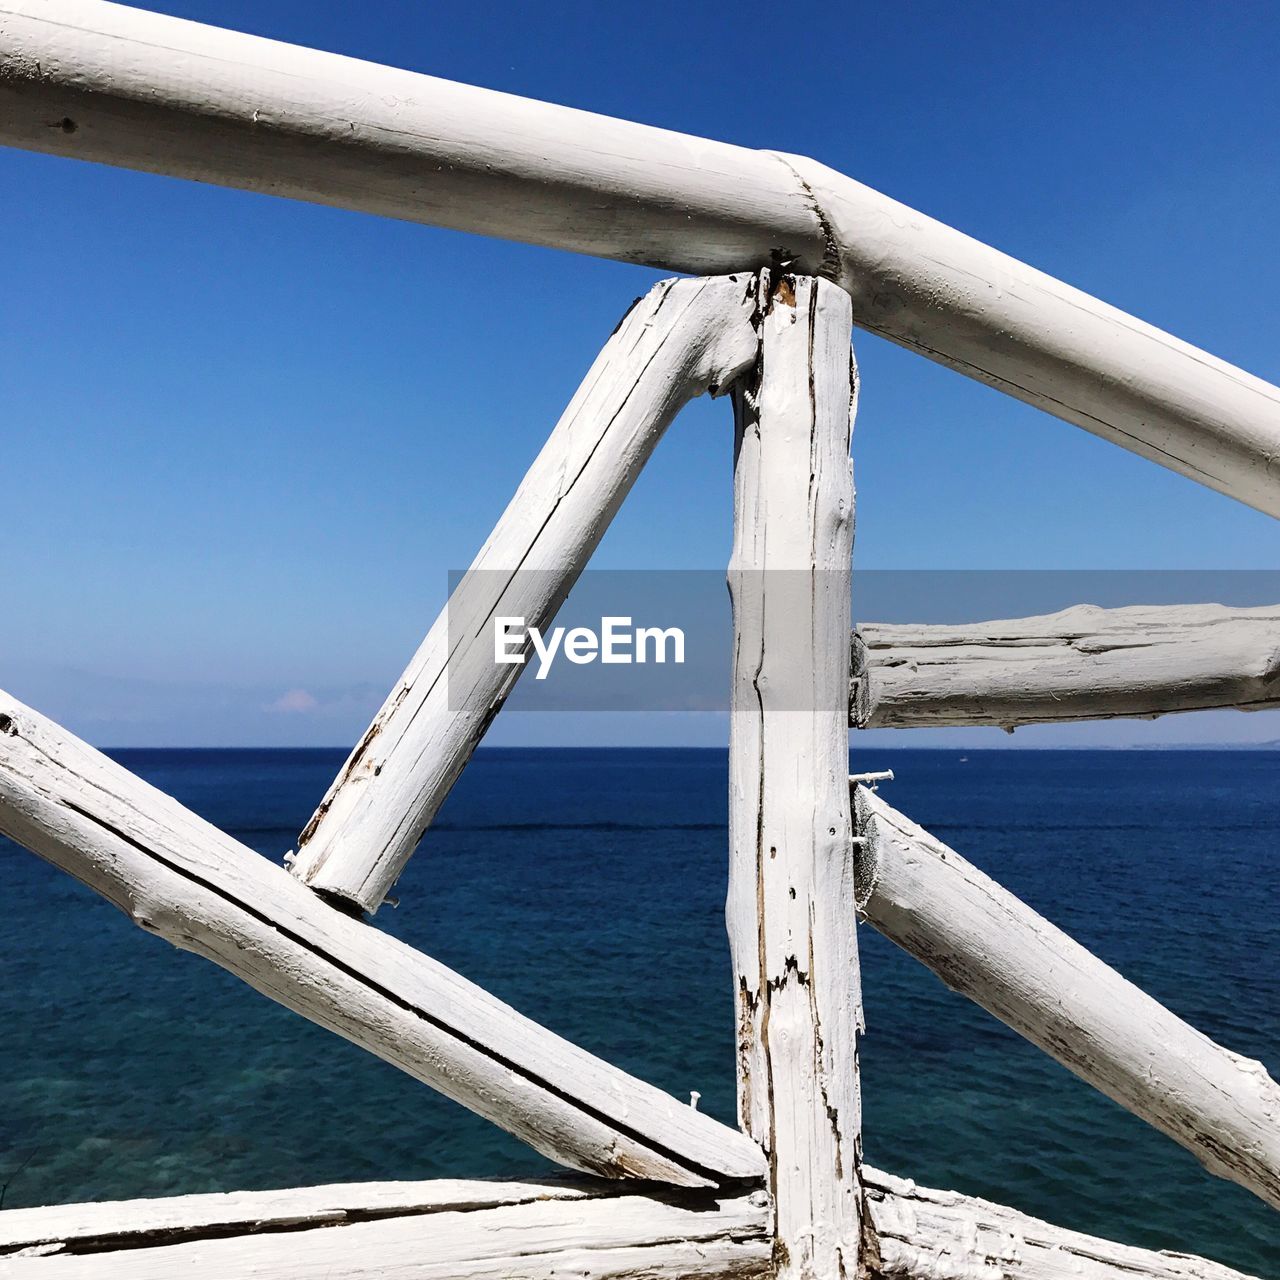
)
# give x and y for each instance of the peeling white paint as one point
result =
(1084, 663)
(982, 941)
(791, 875)
(683, 338)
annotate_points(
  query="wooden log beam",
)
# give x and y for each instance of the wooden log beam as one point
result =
(941, 1235)
(111, 84)
(116, 1225)
(791, 890)
(407, 1231)
(1083, 663)
(986, 944)
(433, 1230)
(685, 337)
(178, 877)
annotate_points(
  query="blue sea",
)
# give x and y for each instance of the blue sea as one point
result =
(587, 887)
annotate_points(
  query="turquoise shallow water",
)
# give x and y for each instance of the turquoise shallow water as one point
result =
(587, 888)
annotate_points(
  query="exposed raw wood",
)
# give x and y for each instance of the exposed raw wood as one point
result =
(1083, 663)
(178, 877)
(107, 83)
(983, 942)
(942, 1235)
(791, 887)
(434, 1230)
(683, 338)
(529, 1233)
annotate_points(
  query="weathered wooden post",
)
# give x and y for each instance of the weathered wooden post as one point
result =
(102, 82)
(791, 887)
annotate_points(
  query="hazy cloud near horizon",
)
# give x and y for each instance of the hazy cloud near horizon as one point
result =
(126, 711)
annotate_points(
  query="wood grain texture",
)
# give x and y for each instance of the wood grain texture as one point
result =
(683, 338)
(98, 1226)
(945, 295)
(107, 83)
(943, 1235)
(791, 890)
(983, 942)
(473, 1230)
(176, 876)
(1083, 663)
(433, 1230)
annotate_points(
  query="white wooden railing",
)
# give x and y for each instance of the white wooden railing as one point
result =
(789, 257)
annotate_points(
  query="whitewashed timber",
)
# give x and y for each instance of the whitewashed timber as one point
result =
(941, 1235)
(494, 1236)
(791, 888)
(1083, 663)
(985, 943)
(178, 877)
(684, 338)
(95, 1226)
(105, 83)
(108, 83)
(435, 1230)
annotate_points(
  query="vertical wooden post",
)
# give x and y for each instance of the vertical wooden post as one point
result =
(791, 888)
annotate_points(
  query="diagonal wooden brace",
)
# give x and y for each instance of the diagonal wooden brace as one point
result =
(985, 943)
(187, 882)
(683, 338)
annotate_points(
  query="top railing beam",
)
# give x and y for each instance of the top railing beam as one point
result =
(121, 86)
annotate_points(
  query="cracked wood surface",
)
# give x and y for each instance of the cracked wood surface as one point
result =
(176, 876)
(683, 338)
(985, 943)
(791, 891)
(107, 83)
(96, 1226)
(458, 1229)
(1083, 663)
(943, 1235)
(445, 1231)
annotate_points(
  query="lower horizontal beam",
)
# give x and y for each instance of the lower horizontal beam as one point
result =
(1084, 663)
(985, 943)
(117, 1225)
(178, 877)
(445, 1231)
(943, 1235)
(456, 1230)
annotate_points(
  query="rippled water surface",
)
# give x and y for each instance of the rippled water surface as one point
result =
(587, 888)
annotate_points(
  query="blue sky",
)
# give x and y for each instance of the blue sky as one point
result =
(245, 439)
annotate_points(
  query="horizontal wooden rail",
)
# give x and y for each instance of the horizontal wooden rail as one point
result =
(986, 944)
(178, 877)
(99, 1226)
(107, 83)
(453, 1230)
(942, 1235)
(416, 1231)
(684, 338)
(1084, 663)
